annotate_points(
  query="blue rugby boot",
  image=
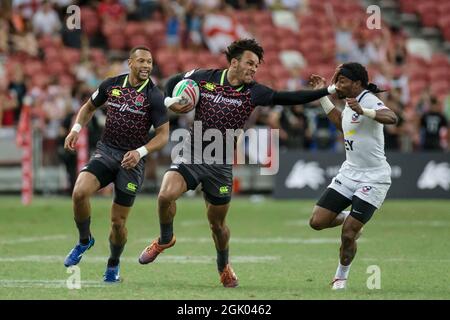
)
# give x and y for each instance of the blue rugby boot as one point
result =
(112, 274)
(75, 255)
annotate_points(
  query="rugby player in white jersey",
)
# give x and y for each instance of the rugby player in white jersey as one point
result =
(365, 176)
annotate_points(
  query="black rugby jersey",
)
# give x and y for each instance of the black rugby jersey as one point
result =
(131, 111)
(223, 106)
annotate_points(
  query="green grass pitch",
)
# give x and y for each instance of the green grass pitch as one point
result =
(273, 251)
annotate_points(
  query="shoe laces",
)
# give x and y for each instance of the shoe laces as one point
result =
(154, 246)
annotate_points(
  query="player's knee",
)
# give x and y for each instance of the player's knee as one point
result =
(217, 227)
(348, 237)
(79, 195)
(315, 224)
(117, 225)
(165, 198)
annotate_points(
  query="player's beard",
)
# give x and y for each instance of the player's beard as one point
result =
(340, 95)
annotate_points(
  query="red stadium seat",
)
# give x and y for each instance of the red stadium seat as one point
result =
(408, 6)
(441, 74)
(440, 88)
(429, 19)
(116, 41)
(137, 40)
(262, 17)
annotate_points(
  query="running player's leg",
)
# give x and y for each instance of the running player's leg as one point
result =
(172, 187)
(85, 186)
(94, 176)
(117, 235)
(360, 214)
(174, 184)
(217, 188)
(328, 212)
(221, 236)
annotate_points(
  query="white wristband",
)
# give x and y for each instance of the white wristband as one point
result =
(371, 113)
(77, 127)
(326, 104)
(331, 89)
(142, 151)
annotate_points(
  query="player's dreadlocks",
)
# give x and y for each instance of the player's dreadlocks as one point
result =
(237, 48)
(356, 71)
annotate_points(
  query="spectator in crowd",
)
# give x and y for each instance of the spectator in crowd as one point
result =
(46, 20)
(17, 85)
(393, 132)
(8, 103)
(110, 11)
(432, 123)
(293, 125)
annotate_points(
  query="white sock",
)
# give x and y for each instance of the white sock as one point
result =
(342, 271)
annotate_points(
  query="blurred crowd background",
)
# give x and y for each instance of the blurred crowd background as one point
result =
(58, 68)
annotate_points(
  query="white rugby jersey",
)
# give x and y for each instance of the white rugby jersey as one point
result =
(364, 138)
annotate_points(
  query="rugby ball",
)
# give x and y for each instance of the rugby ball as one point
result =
(188, 90)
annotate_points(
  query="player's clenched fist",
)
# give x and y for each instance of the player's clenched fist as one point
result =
(130, 159)
(354, 105)
(71, 141)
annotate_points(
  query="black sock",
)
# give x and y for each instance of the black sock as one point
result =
(166, 232)
(84, 230)
(116, 251)
(222, 259)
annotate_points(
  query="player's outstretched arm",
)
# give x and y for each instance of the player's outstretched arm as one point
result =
(83, 117)
(287, 98)
(333, 113)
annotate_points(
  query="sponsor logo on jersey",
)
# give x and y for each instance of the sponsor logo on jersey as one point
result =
(337, 182)
(366, 189)
(305, 174)
(116, 92)
(124, 107)
(131, 186)
(221, 99)
(355, 118)
(209, 86)
(435, 175)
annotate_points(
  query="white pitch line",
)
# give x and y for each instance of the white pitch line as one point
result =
(277, 240)
(403, 223)
(55, 284)
(163, 259)
(34, 239)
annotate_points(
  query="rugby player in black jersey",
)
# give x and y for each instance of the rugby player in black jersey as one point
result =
(133, 105)
(227, 98)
